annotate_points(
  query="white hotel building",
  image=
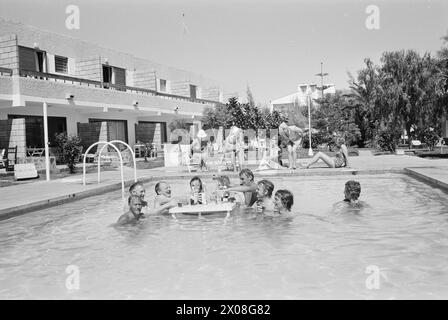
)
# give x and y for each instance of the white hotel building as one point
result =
(83, 87)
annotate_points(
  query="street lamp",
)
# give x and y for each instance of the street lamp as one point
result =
(308, 100)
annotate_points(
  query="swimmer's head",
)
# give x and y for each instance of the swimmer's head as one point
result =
(246, 177)
(196, 184)
(135, 204)
(137, 189)
(352, 190)
(264, 189)
(163, 188)
(223, 182)
(283, 199)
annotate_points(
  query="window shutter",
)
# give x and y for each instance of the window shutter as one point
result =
(27, 59)
(120, 76)
(60, 64)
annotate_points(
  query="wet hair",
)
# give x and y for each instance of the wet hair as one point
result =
(248, 173)
(223, 180)
(268, 185)
(134, 185)
(157, 186)
(134, 197)
(200, 182)
(353, 189)
(286, 198)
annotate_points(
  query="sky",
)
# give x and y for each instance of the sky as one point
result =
(269, 45)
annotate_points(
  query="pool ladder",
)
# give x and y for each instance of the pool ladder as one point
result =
(111, 144)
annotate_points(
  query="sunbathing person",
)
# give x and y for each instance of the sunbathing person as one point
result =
(248, 186)
(163, 201)
(339, 160)
(135, 211)
(264, 196)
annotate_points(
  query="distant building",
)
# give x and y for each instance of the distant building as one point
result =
(294, 104)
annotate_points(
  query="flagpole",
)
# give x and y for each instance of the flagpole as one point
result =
(310, 150)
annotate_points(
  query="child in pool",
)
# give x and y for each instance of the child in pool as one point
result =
(264, 196)
(352, 191)
(283, 201)
(135, 211)
(197, 191)
(222, 193)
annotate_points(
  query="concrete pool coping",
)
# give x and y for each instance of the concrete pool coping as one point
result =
(432, 175)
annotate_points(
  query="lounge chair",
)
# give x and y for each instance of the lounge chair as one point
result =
(191, 163)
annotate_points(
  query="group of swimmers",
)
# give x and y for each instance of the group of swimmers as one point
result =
(260, 196)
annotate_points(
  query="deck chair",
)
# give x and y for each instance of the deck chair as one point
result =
(11, 158)
(191, 163)
(25, 171)
(229, 160)
(3, 162)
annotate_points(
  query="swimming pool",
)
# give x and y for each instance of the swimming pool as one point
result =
(317, 255)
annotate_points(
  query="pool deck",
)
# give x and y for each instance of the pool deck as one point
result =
(22, 198)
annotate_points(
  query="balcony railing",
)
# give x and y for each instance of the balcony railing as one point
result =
(5, 72)
(105, 85)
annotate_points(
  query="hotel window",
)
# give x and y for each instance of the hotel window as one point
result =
(60, 64)
(193, 91)
(162, 87)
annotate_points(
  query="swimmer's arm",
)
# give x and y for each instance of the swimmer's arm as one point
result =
(243, 188)
(160, 200)
(345, 151)
(163, 208)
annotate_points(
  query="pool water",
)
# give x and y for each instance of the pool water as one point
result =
(316, 255)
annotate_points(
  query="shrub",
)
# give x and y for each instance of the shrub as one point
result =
(429, 136)
(68, 149)
(387, 139)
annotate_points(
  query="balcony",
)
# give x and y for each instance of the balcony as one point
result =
(5, 72)
(102, 85)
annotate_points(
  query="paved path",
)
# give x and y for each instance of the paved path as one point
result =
(18, 199)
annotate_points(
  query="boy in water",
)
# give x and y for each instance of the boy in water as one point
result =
(283, 201)
(352, 192)
(135, 211)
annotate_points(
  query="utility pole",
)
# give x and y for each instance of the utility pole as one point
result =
(322, 75)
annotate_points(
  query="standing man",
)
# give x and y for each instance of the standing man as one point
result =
(291, 138)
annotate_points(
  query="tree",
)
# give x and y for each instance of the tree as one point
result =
(68, 149)
(364, 98)
(409, 89)
(335, 117)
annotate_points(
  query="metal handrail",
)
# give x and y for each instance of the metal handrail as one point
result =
(99, 155)
(132, 153)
